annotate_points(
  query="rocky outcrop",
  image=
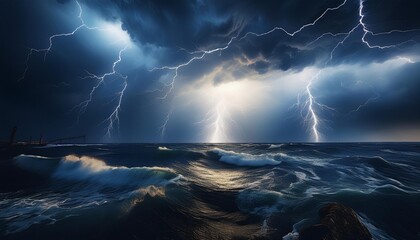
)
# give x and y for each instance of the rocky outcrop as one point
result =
(338, 222)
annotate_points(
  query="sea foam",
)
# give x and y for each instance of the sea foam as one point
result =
(89, 169)
(246, 159)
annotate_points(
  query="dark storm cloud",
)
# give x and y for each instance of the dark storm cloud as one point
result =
(197, 25)
(161, 29)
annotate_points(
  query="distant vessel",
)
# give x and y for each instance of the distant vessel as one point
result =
(13, 143)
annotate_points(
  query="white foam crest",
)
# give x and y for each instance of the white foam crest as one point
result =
(91, 169)
(84, 168)
(275, 146)
(246, 159)
(164, 148)
(311, 161)
(313, 175)
(301, 177)
(294, 235)
(291, 236)
(97, 184)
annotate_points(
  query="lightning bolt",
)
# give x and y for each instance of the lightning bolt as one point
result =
(376, 95)
(292, 34)
(203, 53)
(217, 121)
(322, 36)
(171, 84)
(165, 123)
(369, 100)
(340, 43)
(311, 104)
(219, 134)
(366, 31)
(100, 80)
(311, 101)
(51, 41)
(113, 118)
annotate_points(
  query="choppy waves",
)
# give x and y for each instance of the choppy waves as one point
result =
(217, 191)
(93, 170)
(78, 184)
(246, 159)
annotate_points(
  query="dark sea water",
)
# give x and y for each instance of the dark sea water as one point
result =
(203, 191)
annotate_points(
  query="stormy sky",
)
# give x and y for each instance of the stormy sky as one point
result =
(211, 71)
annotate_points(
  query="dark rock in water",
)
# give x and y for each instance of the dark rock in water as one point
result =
(338, 222)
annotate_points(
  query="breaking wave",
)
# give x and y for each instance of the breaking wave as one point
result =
(246, 159)
(80, 184)
(164, 149)
(275, 146)
(230, 191)
(84, 168)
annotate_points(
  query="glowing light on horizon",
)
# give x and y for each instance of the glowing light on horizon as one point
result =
(224, 102)
(310, 103)
(204, 53)
(219, 133)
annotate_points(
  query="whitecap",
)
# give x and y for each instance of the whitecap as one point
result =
(89, 169)
(87, 182)
(275, 146)
(164, 149)
(246, 159)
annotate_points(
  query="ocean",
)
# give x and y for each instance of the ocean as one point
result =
(205, 191)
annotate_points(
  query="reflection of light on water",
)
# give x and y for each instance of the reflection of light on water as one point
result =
(219, 178)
